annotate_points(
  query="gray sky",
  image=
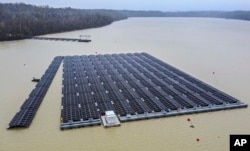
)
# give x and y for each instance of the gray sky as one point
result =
(163, 5)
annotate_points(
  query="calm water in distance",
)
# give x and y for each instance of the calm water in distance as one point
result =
(198, 46)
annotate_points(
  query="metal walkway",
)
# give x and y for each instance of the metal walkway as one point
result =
(61, 39)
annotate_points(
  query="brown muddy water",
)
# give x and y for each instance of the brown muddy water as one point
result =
(198, 46)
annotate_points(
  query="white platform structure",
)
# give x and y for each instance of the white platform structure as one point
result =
(110, 119)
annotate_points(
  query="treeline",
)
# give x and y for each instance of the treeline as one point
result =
(18, 21)
(143, 13)
(241, 15)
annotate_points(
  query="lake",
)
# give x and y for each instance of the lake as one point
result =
(197, 46)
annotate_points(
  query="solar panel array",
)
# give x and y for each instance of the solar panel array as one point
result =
(25, 115)
(135, 86)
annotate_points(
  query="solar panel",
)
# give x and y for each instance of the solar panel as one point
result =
(135, 86)
(25, 115)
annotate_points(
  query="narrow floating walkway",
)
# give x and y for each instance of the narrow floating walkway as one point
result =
(62, 39)
(25, 115)
(135, 86)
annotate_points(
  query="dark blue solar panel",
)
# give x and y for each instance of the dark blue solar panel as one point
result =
(131, 84)
(24, 117)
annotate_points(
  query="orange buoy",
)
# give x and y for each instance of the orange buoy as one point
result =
(197, 139)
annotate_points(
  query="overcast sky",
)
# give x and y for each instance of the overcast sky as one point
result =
(163, 5)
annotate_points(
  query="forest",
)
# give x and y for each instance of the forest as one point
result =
(19, 20)
(240, 15)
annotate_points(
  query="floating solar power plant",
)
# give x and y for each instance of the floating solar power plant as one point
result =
(135, 86)
(25, 115)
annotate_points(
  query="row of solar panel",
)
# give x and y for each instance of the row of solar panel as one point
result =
(110, 86)
(102, 107)
(115, 96)
(147, 63)
(110, 72)
(24, 116)
(162, 75)
(190, 81)
(94, 98)
(164, 87)
(159, 83)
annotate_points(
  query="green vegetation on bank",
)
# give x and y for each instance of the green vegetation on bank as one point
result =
(19, 21)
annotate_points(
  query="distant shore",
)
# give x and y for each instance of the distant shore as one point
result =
(21, 21)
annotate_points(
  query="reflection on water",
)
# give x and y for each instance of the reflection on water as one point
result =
(195, 45)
